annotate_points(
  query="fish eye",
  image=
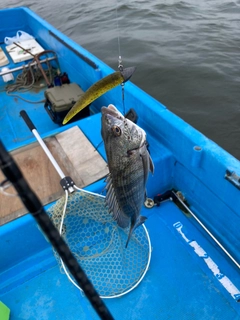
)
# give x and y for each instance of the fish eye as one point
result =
(116, 131)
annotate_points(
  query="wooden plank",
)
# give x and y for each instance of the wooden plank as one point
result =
(85, 159)
(40, 175)
(76, 157)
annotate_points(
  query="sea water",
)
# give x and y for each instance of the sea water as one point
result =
(186, 52)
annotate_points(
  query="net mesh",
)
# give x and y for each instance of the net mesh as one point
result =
(99, 244)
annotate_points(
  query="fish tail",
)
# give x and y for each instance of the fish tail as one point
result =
(133, 227)
(129, 236)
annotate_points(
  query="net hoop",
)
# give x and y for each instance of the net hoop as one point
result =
(67, 272)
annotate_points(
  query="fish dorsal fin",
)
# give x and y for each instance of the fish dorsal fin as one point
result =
(113, 205)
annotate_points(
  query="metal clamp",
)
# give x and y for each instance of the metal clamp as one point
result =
(233, 178)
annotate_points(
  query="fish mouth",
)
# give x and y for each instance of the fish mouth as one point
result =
(111, 113)
(111, 110)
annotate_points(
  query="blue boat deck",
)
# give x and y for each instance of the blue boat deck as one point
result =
(178, 284)
(19, 132)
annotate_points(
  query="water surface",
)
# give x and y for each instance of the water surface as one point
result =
(186, 52)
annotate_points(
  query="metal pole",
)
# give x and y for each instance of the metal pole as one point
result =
(24, 66)
(32, 128)
(205, 228)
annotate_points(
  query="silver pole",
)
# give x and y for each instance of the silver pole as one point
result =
(210, 234)
(48, 153)
(25, 66)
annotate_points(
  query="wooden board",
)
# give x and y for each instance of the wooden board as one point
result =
(76, 157)
(83, 157)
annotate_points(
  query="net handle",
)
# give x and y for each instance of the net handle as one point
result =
(34, 131)
(34, 206)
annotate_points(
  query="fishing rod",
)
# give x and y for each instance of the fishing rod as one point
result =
(34, 206)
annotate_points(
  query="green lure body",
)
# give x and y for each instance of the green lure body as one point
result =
(98, 89)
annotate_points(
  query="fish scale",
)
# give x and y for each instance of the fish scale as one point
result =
(129, 163)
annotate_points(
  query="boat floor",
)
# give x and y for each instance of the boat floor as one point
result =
(14, 132)
(183, 281)
(36, 167)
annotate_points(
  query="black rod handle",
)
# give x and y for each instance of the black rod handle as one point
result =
(28, 121)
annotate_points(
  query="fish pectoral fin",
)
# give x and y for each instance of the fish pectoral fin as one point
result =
(151, 165)
(140, 221)
(146, 160)
(145, 195)
(113, 206)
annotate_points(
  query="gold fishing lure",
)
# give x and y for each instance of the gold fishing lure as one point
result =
(98, 89)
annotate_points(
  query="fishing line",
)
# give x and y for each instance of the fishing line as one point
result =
(98, 145)
(120, 65)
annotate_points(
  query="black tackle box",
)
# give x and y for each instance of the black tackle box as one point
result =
(60, 99)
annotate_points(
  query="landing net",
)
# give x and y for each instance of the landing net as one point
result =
(98, 243)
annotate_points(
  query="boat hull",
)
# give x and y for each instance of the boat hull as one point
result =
(180, 281)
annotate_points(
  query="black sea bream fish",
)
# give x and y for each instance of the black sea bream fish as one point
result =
(129, 163)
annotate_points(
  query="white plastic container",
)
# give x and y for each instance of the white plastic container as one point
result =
(7, 77)
(17, 54)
